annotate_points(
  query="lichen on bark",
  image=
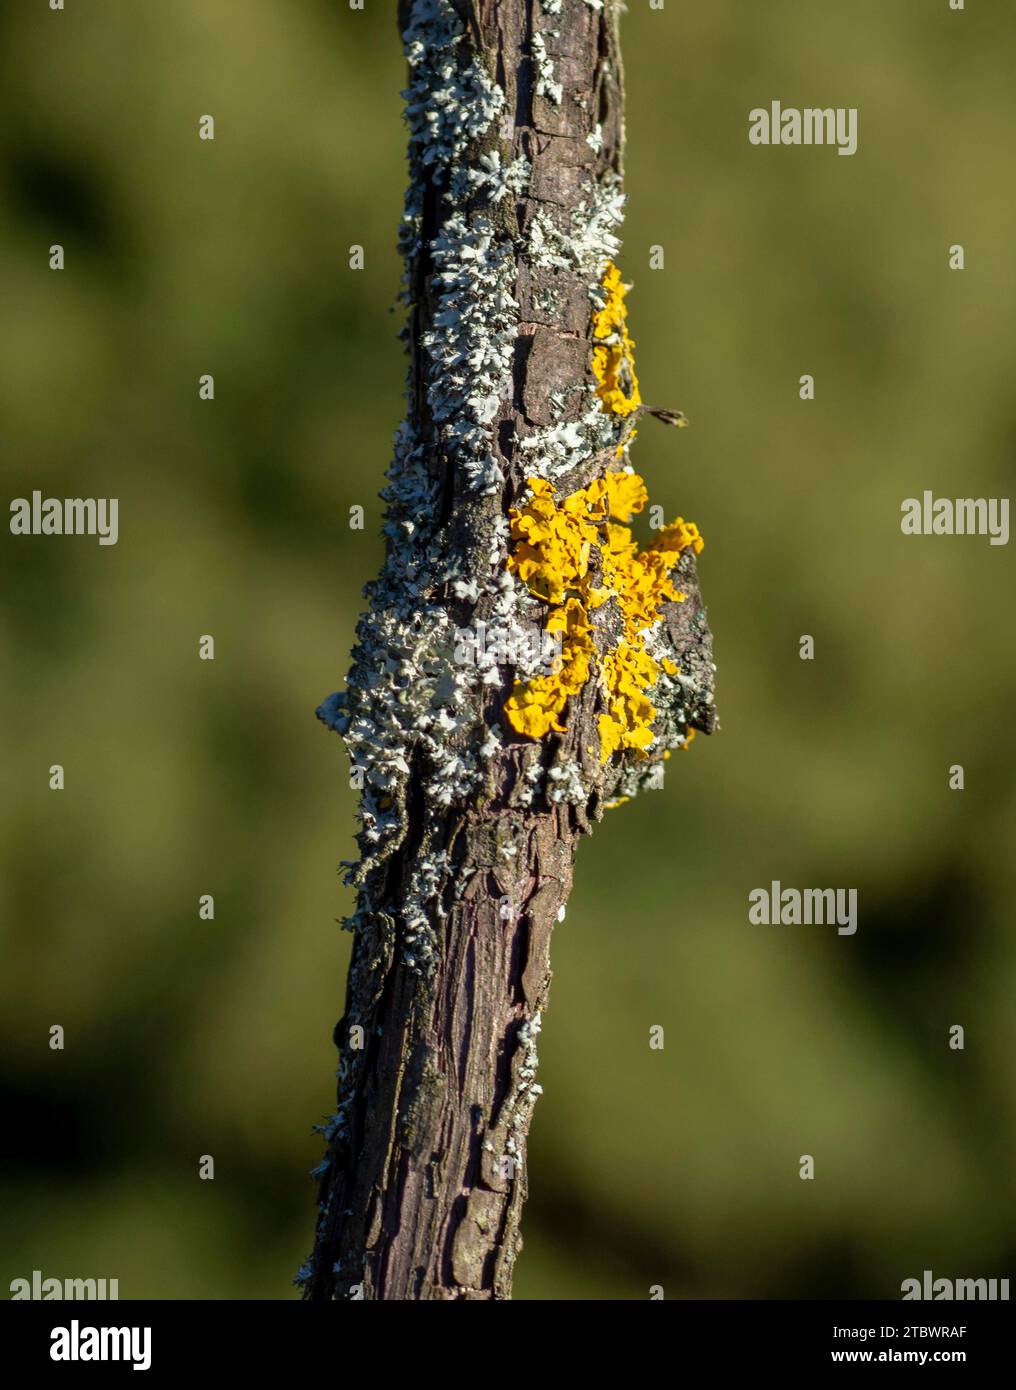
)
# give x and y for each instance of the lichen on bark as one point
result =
(468, 827)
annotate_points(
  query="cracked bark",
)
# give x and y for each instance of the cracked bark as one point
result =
(423, 1194)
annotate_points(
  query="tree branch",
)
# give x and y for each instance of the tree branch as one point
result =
(474, 795)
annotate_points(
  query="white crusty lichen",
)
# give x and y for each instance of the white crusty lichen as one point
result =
(422, 903)
(451, 99)
(546, 86)
(490, 177)
(556, 450)
(471, 343)
(409, 705)
(566, 784)
(590, 238)
(518, 1107)
(532, 779)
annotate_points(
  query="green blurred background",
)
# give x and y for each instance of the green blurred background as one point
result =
(185, 777)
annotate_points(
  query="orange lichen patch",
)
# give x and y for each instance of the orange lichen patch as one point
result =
(552, 541)
(678, 536)
(553, 546)
(628, 672)
(613, 350)
(626, 494)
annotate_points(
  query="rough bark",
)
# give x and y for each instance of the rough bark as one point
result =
(469, 830)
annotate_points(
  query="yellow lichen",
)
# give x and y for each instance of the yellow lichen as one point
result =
(552, 553)
(613, 350)
(554, 542)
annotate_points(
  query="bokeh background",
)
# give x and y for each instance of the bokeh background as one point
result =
(186, 777)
